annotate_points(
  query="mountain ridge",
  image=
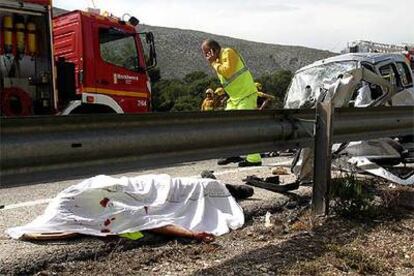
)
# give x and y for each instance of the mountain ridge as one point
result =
(179, 52)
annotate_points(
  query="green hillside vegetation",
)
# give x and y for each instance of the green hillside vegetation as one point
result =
(186, 94)
(183, 75)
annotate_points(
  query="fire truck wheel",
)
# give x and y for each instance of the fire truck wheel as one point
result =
(16, 102)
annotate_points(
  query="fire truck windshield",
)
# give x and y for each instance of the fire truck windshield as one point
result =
(118, 48)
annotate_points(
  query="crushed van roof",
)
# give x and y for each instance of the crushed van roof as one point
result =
(368, 57)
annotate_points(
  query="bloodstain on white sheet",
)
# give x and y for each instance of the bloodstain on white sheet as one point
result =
(104, 202)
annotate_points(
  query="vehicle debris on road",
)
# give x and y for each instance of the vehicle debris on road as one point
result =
(271, 184)
(239, 192)
(280, 171)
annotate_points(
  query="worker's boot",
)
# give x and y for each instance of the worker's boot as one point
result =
(246, 163)
(226, 161)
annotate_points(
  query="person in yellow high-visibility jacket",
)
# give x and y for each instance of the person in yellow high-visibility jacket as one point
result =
(208, 103)
(238, 83)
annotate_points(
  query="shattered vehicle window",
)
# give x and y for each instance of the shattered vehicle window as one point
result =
(387, 73)
(404, 73)
(307, 84)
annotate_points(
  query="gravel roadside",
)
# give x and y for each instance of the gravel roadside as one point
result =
(335, 246)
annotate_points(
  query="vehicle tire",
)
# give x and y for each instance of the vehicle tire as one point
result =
(16, 102)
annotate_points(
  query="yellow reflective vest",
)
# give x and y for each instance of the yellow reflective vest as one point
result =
(234, 75)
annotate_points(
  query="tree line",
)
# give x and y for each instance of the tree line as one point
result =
(187, 94)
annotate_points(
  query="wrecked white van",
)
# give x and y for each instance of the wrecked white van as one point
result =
(311, 83)
(358, 80)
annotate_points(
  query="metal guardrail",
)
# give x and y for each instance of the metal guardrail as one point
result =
(50, 148)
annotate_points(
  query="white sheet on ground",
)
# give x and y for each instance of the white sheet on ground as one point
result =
(103, 205)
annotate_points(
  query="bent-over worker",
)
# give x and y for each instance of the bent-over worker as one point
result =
(263, 98)
(220, 99)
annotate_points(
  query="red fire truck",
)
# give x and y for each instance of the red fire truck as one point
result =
(410, 56)
(88, 63)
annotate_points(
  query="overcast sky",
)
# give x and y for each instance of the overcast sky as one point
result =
(323, 24)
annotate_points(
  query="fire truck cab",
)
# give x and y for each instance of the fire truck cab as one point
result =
(86, 63)
(103, 57)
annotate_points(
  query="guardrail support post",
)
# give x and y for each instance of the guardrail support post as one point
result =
(322, 158)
